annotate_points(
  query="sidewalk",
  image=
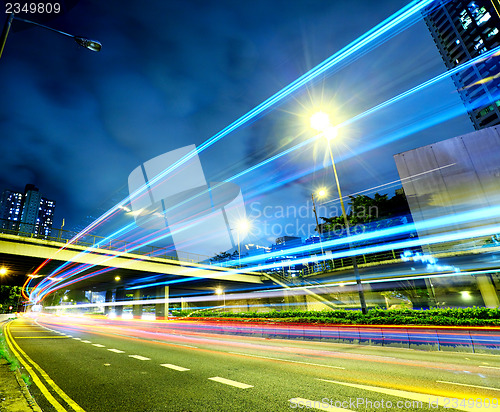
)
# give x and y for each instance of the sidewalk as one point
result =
(12, 398)
(14, 394)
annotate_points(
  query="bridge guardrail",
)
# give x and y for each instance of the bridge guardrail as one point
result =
(90, 240)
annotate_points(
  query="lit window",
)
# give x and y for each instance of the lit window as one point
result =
(492, 32)
(484, 19)
(465, 19)
(486, 111)
(479, 44)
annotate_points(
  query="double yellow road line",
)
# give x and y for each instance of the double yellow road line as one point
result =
(40, 378)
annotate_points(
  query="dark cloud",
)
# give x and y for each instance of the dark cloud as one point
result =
(172, 73)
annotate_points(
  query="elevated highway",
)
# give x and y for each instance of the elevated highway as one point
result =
(22, 255)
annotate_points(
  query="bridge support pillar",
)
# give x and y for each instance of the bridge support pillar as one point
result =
(108, 299)
(161, 309)
(293, 300)
(137, 308)
(488, 291)
(119, 297)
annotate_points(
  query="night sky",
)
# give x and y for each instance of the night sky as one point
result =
(173, 73)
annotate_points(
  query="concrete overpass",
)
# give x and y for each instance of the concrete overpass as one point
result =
(22, 255)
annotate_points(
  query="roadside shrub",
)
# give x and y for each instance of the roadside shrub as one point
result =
(475, 316)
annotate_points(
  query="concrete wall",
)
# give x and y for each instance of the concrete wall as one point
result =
(457, 175)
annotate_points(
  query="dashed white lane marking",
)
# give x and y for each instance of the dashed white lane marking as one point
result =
(175, 367)
(416, 396)
(288, 360)
(86, 341)
(230, 382)
(139, 357)
(98, 345)
(322, 406)
(76, 338)
(471, 386)
(116, 350)
(488, 367)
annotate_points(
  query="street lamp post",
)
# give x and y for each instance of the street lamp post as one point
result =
(321, 123)
(242, 226)
(320, 194)
(82, 41)
(315, 214)
(239, 249)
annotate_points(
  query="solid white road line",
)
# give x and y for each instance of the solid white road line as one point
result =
(322, 406)
(472, 386)
(98, 345)
(174, 344)
(426, 399)
(86, 341)
(287, 360)
(230, 382)
(138, 357)
(175, 367)
(116, 350)
(76, 338)
(488, 367)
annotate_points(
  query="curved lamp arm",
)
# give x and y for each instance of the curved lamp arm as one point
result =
(93, 45)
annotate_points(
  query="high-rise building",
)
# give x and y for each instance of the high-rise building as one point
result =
(463, 30)
(11, 206)
(26, 213)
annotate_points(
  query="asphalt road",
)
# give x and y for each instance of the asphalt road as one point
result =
(128, 367)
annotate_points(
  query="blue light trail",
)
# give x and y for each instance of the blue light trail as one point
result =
(362, 45)
(391, 26)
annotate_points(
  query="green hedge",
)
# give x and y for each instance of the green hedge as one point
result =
(443, 317)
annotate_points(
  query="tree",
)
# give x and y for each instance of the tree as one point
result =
(224, 256)
(9, 296)
(364, 209)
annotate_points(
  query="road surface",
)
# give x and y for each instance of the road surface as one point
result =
(94, 365)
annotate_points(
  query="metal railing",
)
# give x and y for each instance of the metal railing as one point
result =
(330, 265)
(323, 266)
(99, 242)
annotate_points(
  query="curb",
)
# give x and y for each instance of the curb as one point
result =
(25, 391)
(22, 384)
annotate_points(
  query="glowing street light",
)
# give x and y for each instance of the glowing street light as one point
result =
(3, 271)
(92, 45)
(117, 278)
(220, 291)
(320, 121)
(466, 295)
